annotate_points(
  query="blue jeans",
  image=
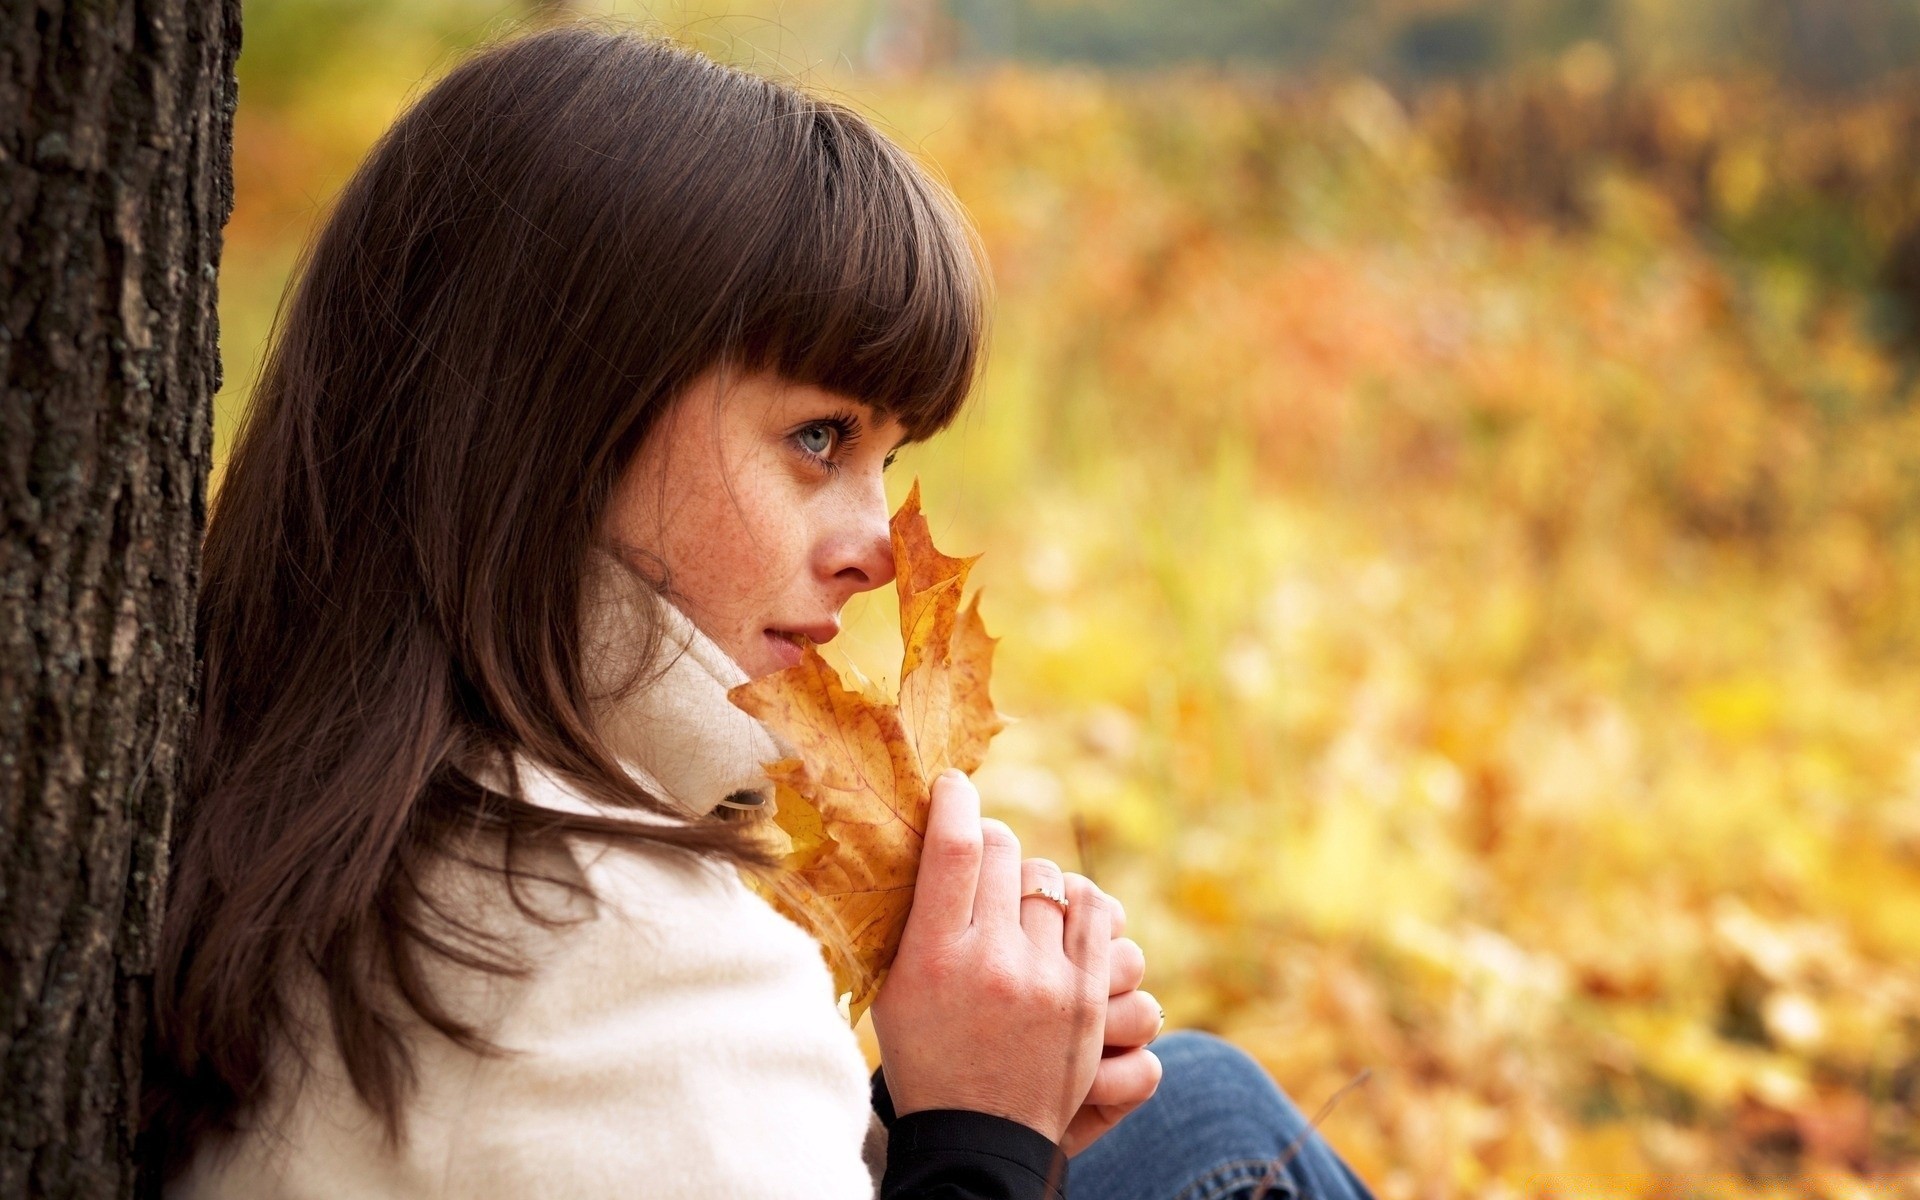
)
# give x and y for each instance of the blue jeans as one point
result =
(1212, 1131)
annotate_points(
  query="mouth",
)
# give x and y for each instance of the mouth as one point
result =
(788, 645)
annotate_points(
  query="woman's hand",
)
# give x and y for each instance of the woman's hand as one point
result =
(994, 1003)
(1128, 1073)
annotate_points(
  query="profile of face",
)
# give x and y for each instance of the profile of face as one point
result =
(762, 500)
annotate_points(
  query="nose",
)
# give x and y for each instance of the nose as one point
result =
(861, 559)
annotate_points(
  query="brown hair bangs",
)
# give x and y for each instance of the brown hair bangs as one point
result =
(875, 289)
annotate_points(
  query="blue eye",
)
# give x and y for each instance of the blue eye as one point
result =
(818, 439)
(823, 440)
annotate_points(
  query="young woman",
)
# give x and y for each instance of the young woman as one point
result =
(577, 417)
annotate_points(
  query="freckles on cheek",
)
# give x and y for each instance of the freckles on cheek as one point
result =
(754, 568)
(733, 529)
(729, 567)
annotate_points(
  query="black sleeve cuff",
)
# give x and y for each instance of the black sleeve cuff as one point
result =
(958, 1154)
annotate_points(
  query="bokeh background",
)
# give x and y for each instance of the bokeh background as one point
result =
(1449, 480)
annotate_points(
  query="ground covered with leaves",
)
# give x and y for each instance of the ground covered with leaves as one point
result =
(1468, 612)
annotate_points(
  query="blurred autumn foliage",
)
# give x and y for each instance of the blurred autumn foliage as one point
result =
(1457, 556)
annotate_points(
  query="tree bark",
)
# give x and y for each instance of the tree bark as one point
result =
(116, 121)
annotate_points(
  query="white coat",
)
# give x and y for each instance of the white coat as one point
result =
(680, 1040)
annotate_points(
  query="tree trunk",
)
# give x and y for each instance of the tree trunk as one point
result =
(116, 121)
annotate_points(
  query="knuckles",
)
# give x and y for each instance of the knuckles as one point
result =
(1044, 868)
(1003, 980)
(1127, 965)
(940, 967)
(1080, 890)
(997, 835)
(954, 847)
(1078, 884)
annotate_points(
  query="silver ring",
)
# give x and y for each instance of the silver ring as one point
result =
(1047, 893)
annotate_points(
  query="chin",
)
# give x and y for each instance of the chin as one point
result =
(748, 655)
(754, 660)
(755, 665)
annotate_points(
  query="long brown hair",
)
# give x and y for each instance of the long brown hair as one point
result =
(538, 257)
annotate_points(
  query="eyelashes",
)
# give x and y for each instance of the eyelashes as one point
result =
(847, 431)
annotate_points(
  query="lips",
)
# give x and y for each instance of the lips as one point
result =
(786, 643)
(785, 647)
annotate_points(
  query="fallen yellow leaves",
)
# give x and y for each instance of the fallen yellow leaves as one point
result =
(854, 801)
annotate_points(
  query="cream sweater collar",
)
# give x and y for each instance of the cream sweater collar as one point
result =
(673, 728)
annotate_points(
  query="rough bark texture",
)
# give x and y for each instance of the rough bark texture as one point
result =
(116, 122)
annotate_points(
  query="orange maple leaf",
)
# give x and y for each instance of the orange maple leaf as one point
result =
(854, 802)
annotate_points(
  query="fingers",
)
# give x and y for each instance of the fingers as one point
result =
(1127, 968)
(1133, 1019)
(1119, 910)
(1128, 1078)
(1043, 920)
(996, 902)
(950, 859)
(1119, 915)
(1089, 930)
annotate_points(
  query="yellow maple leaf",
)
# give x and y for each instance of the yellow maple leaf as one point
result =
(854, 802)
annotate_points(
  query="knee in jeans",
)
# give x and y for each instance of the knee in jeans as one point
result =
(1214, 1080)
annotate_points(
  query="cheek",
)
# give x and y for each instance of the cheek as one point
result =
(736, 551)
(731, 528)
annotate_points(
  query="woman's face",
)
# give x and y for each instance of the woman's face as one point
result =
(763, 501)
